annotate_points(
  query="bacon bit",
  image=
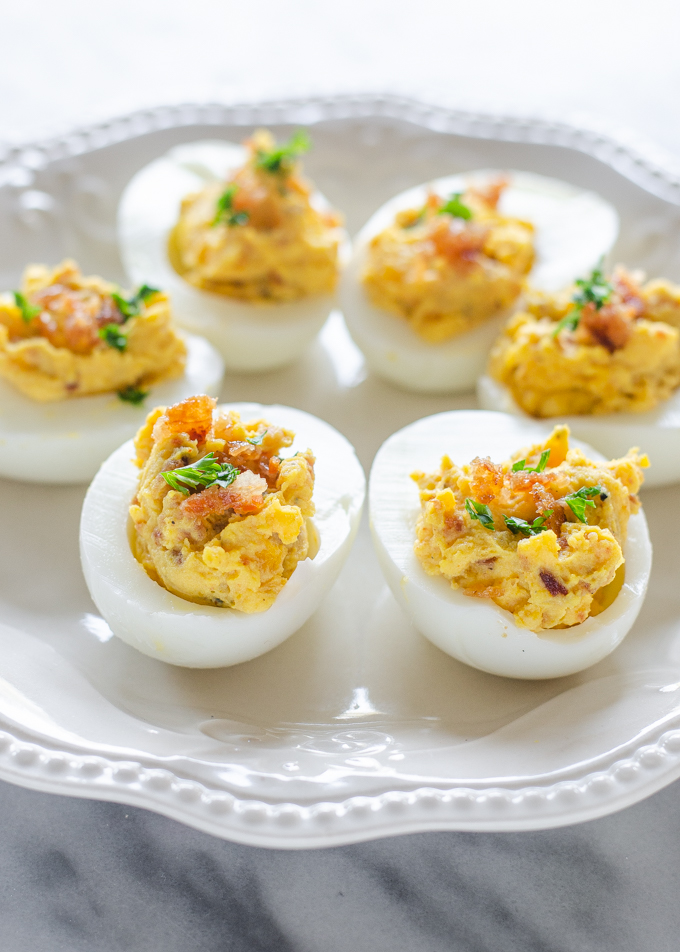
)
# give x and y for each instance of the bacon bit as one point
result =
(433, 202)
(491, 192)
(245, 495)
(193, 416)
(488, 562)
(627, 290)
(71, 317)
(245, 450)
(254, 458)
(554, 586)
(256, 195)
(546, 500)
(453, 522)
(269, 469)
(610, 326)
(486, 480)
(458, 242)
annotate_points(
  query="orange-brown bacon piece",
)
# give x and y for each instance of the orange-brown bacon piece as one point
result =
(458, 242)
(244, 496)
(193, 416)
(522, 494)
(611, 326)
(71, 317)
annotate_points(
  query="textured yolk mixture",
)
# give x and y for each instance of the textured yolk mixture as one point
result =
(52, 347)
(257, 236)
(234, 545)
(554, 571)
(446, 274)
(621, 357)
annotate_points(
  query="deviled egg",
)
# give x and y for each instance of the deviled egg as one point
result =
(603, 356)
(250, 252)
(526, 562)
(78, 360)
(212, 546)
(437, 269)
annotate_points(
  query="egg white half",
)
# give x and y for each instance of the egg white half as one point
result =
(475, 631)
(574, 228)
(250, 337)
(656, 432)
(67, 441)
(172, 629)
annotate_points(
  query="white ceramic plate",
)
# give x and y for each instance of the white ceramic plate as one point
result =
(357, 726)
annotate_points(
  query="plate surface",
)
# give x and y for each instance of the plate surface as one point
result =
(357, 726)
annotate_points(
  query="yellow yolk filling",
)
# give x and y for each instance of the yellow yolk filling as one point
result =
(446, 275)
(59, 353)
(626, 360)
(272, 245)
(233, 547)
(554, 578)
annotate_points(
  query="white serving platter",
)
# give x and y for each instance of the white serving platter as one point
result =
(357, 726)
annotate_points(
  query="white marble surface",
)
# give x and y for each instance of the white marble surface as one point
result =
(81, 875)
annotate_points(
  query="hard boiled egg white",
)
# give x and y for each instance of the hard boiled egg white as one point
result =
(656, 432)
(574, 228)
(477, 631)
(164, 626)
(67, 441)
(250, 337)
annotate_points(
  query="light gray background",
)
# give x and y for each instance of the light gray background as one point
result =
(80, 875)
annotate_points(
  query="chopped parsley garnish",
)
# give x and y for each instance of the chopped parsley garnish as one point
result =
(133, 395)
(515, 524)
(28, 311)
(480, 512)
(282, 158)
(114, 336)
(579, 501)
(521, 465)
(201, 474)
(224, 209)
(594, 290)
(455, 207)
(130, 307)
(256, 440)
(146, 291)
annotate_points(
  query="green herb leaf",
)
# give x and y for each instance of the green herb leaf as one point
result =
(129, 307)
(256, 440)
(455, 207)
(114, 336)
(224, 209)
(515, 524)
(133, 395)
(145, 292)
(480, 512)
(201, 474)
(579, 501)
(594, 289)
(28, 311)
(282, 158)
(521, 465)
(570, 322)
